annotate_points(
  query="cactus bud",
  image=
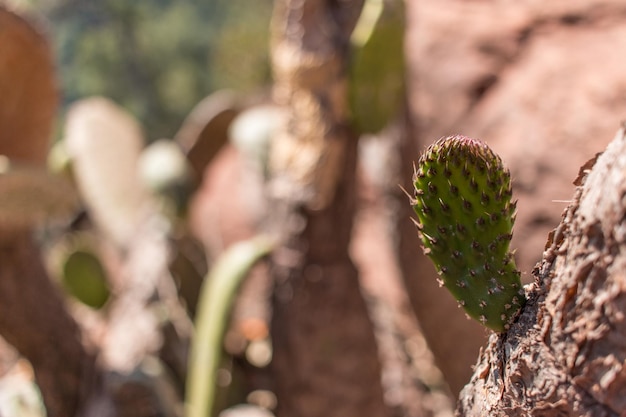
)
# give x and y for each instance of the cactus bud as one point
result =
(465, 217)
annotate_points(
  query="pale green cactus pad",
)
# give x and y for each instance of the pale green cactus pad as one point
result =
(465, 217)
(376, 72)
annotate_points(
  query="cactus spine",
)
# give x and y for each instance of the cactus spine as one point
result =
(465, 217)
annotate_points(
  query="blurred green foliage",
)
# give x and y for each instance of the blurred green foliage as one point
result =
(158, 58)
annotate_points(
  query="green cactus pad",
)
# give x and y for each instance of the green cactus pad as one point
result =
(465, 217)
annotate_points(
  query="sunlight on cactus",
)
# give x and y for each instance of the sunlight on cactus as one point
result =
(465, 217)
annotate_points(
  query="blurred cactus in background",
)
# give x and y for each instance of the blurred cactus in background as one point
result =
(204, 131)
(214, 307)
(377, 65)
(124, 262)
(107, 211)
(104, 143)
(29, 90)
(83, 277)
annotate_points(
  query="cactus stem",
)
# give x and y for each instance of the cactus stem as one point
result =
(467, 230)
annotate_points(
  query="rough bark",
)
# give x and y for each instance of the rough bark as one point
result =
(566, 353)
(325, 358)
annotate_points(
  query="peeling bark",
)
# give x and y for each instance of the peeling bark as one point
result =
(566, 353)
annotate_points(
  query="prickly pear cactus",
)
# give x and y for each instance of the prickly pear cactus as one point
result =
(377, 88)
(465, 217)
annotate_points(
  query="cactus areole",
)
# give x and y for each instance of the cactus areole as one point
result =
(465, 218)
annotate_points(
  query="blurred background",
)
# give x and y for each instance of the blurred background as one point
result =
(141, 141)
(157, 58)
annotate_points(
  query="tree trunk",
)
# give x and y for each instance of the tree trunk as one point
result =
(566, 353)
(325, 358)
